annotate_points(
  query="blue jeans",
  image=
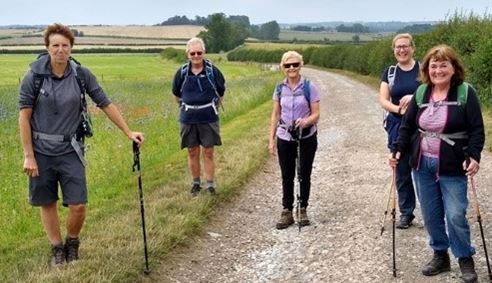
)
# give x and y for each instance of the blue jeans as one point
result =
(404, 186)
(443, 200)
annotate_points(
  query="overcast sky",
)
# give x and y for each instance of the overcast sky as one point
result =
(149, 12)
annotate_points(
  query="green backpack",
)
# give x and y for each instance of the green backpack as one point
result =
(461, 100)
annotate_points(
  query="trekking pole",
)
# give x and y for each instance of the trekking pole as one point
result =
(383, 220)
(299, 178)
(136, 164)
(393, 217)
(479, 220)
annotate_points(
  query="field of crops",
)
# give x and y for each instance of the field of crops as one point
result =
(328, 36)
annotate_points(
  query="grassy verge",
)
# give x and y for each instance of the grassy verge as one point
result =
(112, 249)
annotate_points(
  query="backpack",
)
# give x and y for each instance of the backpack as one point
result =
(460, 101)
(305, 90)
(209, 72)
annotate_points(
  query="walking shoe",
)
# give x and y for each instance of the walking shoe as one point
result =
(286, 219)
(304, 221)
(211, 190)
(195, 190)
(467, 267)
(72, 249)
(439, 263)
(58, 258)
(405, 222)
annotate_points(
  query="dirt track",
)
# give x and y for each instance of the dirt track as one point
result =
(349, 193)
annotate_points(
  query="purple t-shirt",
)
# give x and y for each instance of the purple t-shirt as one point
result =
(293, 105)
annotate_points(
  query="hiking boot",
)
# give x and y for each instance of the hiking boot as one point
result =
(58, 258)
(405, 222)
(467, 267)
(304, 221)
(195, 190)
(211, 191)
(439, 263)
(72, 249)
(286, 219)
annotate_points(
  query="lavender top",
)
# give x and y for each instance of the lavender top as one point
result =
(293, 105)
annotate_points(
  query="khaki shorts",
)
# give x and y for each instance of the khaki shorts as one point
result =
(206, 135)
(66, 170)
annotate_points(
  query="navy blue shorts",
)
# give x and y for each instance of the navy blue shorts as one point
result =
(206, 135)
(66, 170)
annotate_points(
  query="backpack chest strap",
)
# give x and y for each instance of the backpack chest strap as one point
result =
(445, 137)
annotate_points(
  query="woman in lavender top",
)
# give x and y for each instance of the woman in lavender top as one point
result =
(295, 114)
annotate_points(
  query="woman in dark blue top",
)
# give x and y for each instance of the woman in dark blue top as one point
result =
(398, 83)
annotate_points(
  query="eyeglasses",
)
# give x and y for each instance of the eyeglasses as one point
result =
(295, 65)
(402, 47)
(199, 53)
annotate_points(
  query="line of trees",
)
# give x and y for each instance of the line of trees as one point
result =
(224, 33)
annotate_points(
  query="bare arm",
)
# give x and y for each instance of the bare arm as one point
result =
(273, 127)
(30, 166)
(384, 98)
(115, 116)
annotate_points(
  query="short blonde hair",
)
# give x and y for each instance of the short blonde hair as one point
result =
(193, 41)
(289, 55)
(403, 35)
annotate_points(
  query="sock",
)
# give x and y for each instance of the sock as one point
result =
(196, 181)
(210, 184)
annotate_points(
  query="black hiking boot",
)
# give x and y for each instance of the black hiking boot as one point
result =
(286, 219)
(72, 249)
(58, 258)
(467, 267)
(439, 263)
(195, 190)
(405, 222)
(211, 191)
(304, 220)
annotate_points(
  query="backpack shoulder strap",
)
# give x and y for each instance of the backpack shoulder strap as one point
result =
(462, 94)
(183, 75)
(391, 75)
(38, 83)
(306, 90)
(278, 91)
(419, 95)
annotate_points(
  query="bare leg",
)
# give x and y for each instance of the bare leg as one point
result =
(194, 161)
(75, 219)
(51, 223)
(209, 163)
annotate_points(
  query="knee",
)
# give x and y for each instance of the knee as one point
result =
(208, 153)
(78, 209)
(194, 152)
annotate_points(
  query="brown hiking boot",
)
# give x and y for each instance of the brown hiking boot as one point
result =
(58, 258)
(304, 220)
(439, 263)
(286, 219)
(72, 249)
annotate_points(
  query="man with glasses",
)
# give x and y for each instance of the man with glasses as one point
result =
(199, 88)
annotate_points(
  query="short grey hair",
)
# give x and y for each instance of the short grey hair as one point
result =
(193, 41)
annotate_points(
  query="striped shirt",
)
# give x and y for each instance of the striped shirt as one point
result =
(433, 119)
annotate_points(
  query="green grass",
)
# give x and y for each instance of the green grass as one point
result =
(111, 247)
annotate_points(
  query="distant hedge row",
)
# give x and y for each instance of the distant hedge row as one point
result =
(470, 35)
(88, 50)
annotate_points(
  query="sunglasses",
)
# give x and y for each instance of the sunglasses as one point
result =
(199, 53)
(295, 65)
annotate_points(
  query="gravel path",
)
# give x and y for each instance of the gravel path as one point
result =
(350, 184)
